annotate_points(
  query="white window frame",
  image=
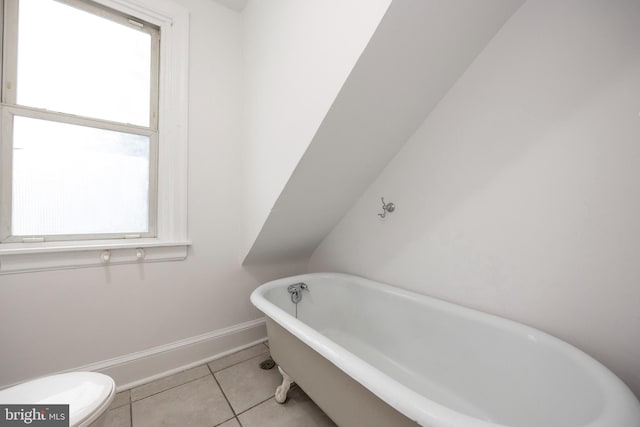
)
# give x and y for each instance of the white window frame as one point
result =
(10, 109)
(171, 240)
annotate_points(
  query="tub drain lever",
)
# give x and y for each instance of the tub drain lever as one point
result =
(295, 291)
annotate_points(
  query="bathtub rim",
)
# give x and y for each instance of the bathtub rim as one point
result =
(617, 397)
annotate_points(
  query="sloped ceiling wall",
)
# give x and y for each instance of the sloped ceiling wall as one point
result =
(418, 51)
(297, 56)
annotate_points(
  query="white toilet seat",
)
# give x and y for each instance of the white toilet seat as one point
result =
(88, 394)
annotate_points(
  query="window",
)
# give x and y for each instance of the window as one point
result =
(80, 118)
(93, 108)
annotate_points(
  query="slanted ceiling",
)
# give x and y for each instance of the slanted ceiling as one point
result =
(416, 54)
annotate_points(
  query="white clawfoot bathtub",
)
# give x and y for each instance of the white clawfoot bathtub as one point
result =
(356, 343)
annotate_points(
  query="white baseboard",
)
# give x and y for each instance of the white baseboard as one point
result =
(145, 366)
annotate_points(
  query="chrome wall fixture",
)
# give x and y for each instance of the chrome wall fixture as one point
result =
(386, 208)
(295, 291)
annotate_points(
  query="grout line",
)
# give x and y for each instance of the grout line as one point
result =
(170, 388)
(161, 379)
(257, 404)
(293, 385)
(225, 421)
(212, 373)
(223, 393)
(237, 363)
(130, 410)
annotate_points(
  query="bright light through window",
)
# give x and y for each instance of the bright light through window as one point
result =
(79, 118)
(71, 179)
(77, 62)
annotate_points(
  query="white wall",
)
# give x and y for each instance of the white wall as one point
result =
(58, 320)
(518, 195)
(297, 56)
(382, 102)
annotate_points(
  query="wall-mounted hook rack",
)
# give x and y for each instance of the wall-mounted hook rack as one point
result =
(386, 208)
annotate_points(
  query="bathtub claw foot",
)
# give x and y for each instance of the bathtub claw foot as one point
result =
(283, 389)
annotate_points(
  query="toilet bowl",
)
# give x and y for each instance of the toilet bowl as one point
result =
(88, 395)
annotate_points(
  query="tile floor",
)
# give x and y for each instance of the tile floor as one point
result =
(229, 392)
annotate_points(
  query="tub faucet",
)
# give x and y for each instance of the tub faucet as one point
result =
(295, 291)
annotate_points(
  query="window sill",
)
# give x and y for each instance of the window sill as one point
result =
(27, 257)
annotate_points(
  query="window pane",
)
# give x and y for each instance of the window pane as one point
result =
(75, 62)
(70, 179)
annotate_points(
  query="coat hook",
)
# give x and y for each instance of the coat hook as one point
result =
(386, 208)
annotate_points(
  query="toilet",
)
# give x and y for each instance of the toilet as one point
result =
(89, 395)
